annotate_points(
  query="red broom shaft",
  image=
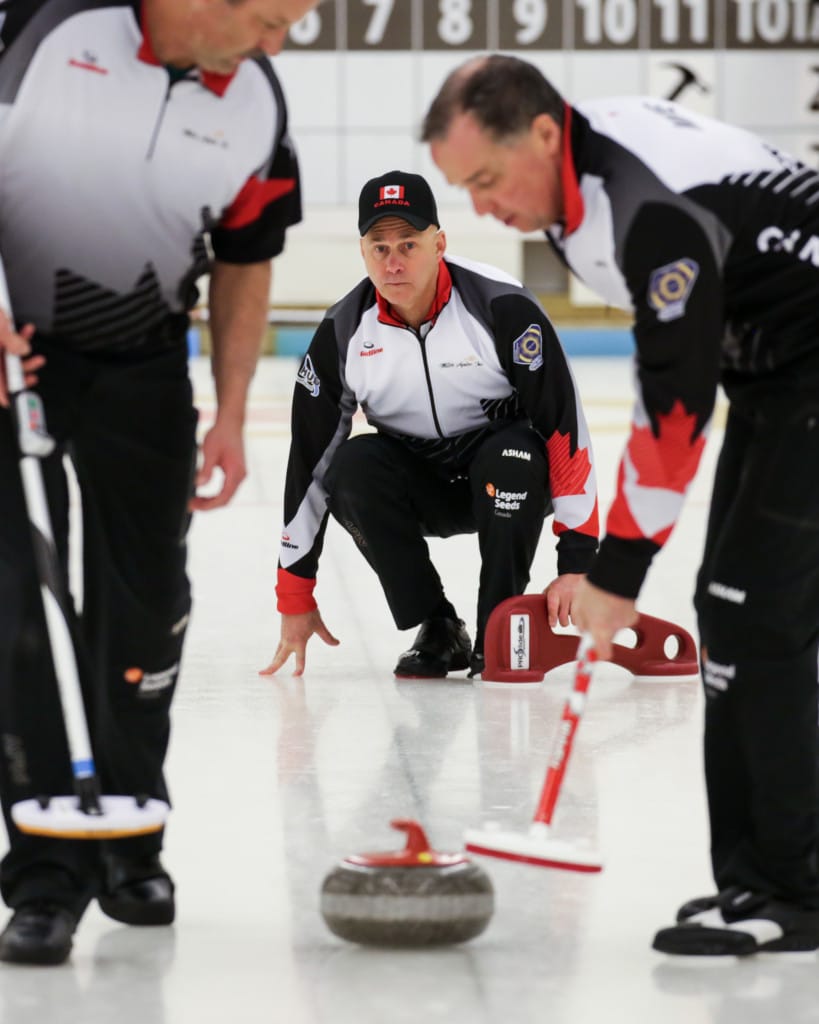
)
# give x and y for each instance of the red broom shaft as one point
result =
(569, 721)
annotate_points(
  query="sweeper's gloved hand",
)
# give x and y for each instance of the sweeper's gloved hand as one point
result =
(296, 631)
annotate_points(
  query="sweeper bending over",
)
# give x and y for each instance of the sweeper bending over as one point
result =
(478, 429)
(710, 236)
(103, 235)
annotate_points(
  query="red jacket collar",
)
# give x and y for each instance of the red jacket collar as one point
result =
(572, 197)
(216, 83)
(443, 290)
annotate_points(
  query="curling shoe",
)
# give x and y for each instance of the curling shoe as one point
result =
(441, 645)
(138, 891)
(696, 906)
(38, 933)
(477, 663)
(738, 923)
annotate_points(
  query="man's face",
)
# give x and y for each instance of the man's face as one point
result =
(224, 34)
(402, 263)
(517, 180)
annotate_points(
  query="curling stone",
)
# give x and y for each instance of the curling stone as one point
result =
(410, 897)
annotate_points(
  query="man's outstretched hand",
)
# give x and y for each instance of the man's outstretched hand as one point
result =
(296, 631)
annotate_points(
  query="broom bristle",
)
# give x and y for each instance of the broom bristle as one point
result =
(536, 850)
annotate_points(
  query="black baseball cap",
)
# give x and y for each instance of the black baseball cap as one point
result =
(397, 194)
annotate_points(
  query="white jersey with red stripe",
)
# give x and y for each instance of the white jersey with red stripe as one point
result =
(710, 236)
(121, 178)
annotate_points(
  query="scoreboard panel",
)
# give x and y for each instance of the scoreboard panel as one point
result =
(359, 74)
(358, 25)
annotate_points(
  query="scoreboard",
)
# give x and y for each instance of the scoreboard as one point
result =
(359, 74)
(405, 25)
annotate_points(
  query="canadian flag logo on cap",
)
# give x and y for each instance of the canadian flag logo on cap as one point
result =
(391, 192)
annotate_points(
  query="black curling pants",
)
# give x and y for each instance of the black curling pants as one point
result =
(389, 499)
(128, 424)
(758, 606)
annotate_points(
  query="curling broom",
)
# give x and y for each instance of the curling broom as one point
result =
(86, 814)
(536, 845)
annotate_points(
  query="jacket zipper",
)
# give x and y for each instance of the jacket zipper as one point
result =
(423, 342)
(158, 125)
(161, 116)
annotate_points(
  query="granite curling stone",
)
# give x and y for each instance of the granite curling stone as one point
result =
(411, 897)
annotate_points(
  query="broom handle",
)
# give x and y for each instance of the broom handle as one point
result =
(35, 443)
(572, 711)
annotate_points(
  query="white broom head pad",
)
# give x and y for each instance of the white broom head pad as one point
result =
(61, 817)
(534, 846)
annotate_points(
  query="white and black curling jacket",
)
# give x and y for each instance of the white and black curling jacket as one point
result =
(486, 355)
(710, 236)
(116, 172)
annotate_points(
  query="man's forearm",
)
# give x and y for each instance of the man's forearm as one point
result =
(239, 300)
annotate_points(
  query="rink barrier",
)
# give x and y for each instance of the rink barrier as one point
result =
(293, 340)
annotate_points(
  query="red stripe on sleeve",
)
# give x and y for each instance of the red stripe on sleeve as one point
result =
(254, 197)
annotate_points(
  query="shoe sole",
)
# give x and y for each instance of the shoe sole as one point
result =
(138, 914)
(799, 942)
(45, 959)
(696, 940)
(456, 665)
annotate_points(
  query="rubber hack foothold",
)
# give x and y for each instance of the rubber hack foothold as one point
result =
(520, 646)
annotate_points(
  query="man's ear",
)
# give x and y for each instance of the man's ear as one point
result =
(548, 133)
(440, 243)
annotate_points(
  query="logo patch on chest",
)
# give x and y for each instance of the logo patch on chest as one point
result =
(88, 61)
(369, 349)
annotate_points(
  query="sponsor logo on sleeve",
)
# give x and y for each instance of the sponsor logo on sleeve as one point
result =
(669, 288)
(308, 378)
(527, 350)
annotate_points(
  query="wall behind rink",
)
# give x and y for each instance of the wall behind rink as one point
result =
(359, 75)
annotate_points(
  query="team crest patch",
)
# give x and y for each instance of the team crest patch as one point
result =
(527, 350)
(670, 286)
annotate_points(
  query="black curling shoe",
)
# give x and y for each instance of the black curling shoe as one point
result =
(441, 646)
(38, 933)
(138, 892)
(739, 922)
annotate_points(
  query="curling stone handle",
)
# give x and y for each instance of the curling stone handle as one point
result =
(417, 841)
